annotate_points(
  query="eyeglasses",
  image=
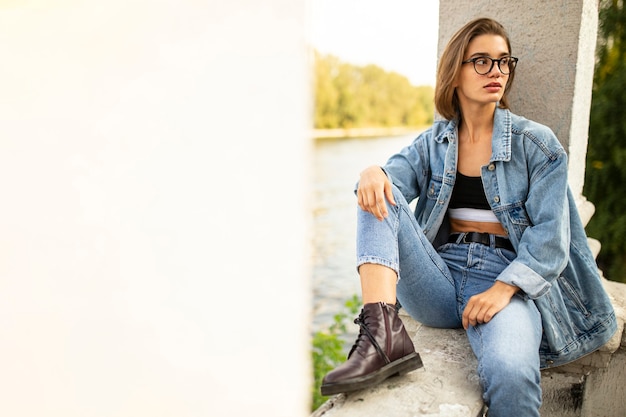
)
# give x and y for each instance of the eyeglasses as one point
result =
(483, 64)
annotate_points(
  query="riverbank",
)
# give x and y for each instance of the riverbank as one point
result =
(364, 132)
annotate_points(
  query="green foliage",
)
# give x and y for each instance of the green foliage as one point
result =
(328, 348)
(349, 96)
(606, 154)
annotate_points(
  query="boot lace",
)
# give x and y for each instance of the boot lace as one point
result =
(366, 334)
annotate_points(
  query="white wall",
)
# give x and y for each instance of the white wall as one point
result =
(153, 208)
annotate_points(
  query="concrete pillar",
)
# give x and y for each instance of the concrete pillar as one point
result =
(555, 42)
(154, 217)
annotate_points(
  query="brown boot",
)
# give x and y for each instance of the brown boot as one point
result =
(382, 349)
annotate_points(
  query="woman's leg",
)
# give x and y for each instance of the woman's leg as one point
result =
(507, 347)
(378, 284)
(383, 347)
(396, 260)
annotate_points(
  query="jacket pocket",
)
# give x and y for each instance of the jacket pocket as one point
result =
(572, 298)
(432, 195)
(434, 188)
(564, 316)
(518, 217)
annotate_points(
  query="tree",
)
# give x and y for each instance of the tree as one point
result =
(352, 96)
(606, 154)
(326, 97)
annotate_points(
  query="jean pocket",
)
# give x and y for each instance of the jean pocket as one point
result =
(508, 256)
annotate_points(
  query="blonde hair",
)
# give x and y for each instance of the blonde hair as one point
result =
(446, 100)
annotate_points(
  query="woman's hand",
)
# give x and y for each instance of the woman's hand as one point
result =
(374, 187)
(482, 307)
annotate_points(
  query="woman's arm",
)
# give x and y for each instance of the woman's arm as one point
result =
(543, 250)
(373, 188)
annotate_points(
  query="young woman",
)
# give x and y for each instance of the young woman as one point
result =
(495, 243)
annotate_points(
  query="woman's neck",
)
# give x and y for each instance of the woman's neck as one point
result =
(476, 125)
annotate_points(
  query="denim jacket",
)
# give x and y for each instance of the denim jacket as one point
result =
(526, 185)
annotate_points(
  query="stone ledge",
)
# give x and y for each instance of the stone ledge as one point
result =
(448, 385)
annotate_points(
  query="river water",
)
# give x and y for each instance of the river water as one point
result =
(337, 165)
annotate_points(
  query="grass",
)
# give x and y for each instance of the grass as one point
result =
(328, 347)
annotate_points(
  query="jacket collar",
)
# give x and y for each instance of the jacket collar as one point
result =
(501, 139)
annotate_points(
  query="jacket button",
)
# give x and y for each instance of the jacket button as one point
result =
(496, 199)
(491, 167)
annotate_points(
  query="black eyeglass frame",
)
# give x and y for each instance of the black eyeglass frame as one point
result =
(512, 64)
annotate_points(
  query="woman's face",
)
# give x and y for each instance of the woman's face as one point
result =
(476, 89)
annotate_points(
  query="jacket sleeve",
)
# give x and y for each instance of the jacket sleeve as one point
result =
(407, 167)
(542, 250)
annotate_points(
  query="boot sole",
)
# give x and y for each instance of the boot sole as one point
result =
(401, 366)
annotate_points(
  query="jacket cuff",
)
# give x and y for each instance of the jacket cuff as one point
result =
(526, 279)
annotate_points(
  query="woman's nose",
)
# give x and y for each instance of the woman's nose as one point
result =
(495, 70)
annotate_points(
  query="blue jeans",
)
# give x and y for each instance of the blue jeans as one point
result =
(434, 286)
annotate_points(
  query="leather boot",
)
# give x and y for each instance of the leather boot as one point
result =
(382, 349)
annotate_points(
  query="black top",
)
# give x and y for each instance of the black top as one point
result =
(468, 193)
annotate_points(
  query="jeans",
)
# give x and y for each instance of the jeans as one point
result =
(434, 286)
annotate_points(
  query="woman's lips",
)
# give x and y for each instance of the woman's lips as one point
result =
(493, 87)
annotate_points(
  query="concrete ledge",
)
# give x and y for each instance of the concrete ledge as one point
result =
(448, 385)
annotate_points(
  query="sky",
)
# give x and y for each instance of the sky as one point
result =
(397, 35)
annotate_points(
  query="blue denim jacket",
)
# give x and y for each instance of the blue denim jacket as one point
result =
(526, 185)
